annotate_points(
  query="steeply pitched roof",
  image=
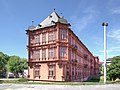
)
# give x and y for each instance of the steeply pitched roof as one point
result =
(51, 20)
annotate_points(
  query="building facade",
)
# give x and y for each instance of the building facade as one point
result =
(55, 53)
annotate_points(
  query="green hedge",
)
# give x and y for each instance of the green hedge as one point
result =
(22, 80)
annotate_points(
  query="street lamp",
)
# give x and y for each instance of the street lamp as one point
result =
(104, 25)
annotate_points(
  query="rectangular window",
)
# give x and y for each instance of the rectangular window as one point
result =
(37, 54)
(37, 71)
(51, 70)
(37, 39)
(72, 70)
(63, 34)
(51, 53)
(73, 55)
(51, 36)
(31, 39)
(31, 55)
(63, 51)
(44, 37)
(51, 73)
(44, 53)
(67, 73)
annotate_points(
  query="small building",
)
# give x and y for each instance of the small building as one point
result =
(109, 61)
(55, 53)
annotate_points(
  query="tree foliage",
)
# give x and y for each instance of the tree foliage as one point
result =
(100, 69)
(113, 71)
(3, 61)
(13, 64)
(16, 64)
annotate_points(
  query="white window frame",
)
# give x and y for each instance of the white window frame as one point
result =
(31, 55)
(51, 53)
(51, 70)
(37, 39)
(51, 36)
(63, 34)
(37, 54)
(31, 39)
(44, 37)
(63, 51)
(44, 53)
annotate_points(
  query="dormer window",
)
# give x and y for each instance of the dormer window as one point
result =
(50, 16)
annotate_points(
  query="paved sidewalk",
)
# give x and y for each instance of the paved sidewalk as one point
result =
(58, 87)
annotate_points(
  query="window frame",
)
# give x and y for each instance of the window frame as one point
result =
(63, 34)
(51, 36)
(37, 70)
(37, 39)
(31, 55)
(51, 53)
(44, 53)
(37, 54)
(31, 39)
(51, 70)
(44, 37)
(63, 51)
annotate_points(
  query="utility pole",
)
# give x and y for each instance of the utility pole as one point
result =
(105, 25)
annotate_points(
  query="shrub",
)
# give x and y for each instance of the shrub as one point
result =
(22, 80)
(94, 79)
(101, 78)
(1, 81)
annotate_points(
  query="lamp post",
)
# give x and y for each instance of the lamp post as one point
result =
(104, 25)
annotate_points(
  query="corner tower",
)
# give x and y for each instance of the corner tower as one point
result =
(48, 49)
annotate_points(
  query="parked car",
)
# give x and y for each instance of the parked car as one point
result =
(10, 75)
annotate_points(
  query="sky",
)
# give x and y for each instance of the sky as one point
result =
(85, 17)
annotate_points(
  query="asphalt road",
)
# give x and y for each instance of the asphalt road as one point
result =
(58, 87)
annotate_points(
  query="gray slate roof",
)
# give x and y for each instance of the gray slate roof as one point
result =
(51, 20)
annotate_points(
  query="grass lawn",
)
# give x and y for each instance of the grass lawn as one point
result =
(24, 81)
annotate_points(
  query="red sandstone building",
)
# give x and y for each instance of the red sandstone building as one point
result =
(55, 53)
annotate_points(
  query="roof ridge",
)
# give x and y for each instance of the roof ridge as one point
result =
(56, 14)
(51, 19)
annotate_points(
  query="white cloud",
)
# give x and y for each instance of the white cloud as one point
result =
(115, 49)
(80, 22)
(116, 10)
(111, 52)
(115, 34)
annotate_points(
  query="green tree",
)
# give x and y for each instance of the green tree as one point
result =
(113, 71)
(23, 62)
(100, 69)
(3, 61)
(16, 65)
